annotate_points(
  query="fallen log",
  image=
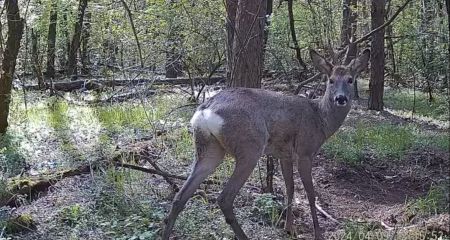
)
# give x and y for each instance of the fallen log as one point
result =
(99, 84)
(30, 187)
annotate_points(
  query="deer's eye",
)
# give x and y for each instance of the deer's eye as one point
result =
(331, 80)
(350, 80)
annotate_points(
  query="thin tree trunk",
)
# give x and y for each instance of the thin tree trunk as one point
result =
(248, 44)
(64, 26)
(447, 2)
(173, 58)
(390, 44)
(51, 40)
(346, 28)
(348, 34)
(294, 35)
(85, 60)
(76, 38)
(376, 85)
(35, 58)
(15, 31)
(130, 17)
(231, 7)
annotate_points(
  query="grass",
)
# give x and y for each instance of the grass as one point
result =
(404, 100)
(436, 201)
(380, 141)
(11, 156)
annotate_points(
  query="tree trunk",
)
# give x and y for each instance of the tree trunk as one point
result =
(348, 32)
(15, 31)
(51, 41)
(76, 38)
(248, 44)
(130, 17)
(85, 60)
(447, 2)
(173, 58)
(346, 28)
(64, 26)
(231, 7)
(376, 85)
(294, 35)
(36, 64)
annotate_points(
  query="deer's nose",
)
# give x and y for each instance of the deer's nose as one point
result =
(341, 100)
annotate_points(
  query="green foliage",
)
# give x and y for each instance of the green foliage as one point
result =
(404, 100)
(380, 141)
(267, 208)
(436, 201)
(121, 214)
(21, 223)
(200, 220)
(11, 157)
(71, 214)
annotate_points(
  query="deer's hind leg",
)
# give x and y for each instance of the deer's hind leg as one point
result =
(287, 168)
(209, 154)
(247, 155)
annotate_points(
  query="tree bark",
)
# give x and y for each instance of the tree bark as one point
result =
(248, 44)
(85, 60)
(376, 85)
(15, 31)
(51, 40)
(36, 64)
(76, 38)
(231, 7)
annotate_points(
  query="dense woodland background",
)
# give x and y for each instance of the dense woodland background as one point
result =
(96, 96)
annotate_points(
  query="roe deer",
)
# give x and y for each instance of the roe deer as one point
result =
(247, 123)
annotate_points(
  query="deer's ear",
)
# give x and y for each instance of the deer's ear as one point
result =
(359, 64)
(321, 63)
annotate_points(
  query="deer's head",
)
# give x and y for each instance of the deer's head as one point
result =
(340, 78)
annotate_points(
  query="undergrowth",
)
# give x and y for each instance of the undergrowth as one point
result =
(404, 100)
(436, 201)
(380, 141)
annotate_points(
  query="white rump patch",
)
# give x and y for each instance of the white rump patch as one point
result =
(207, 121)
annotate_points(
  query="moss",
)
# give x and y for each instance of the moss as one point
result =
(21, 223)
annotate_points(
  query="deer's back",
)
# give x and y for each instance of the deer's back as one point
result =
(258, 116)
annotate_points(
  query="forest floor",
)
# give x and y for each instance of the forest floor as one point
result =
(382, 176)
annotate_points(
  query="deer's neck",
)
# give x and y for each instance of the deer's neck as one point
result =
(332, 116)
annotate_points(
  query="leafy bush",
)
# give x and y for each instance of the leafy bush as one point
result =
(72, 214)
(268, 208)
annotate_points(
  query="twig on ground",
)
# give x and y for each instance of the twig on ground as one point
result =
(327, 215)
(161, 173)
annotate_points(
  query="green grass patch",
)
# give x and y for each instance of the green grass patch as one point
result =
(435, 202)
(116, 117)
(404, 100)
(381, 141)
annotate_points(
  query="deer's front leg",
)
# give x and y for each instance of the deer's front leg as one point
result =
(304, 168)
(287, 168)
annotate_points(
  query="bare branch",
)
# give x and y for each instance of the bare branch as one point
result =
(368, 35)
